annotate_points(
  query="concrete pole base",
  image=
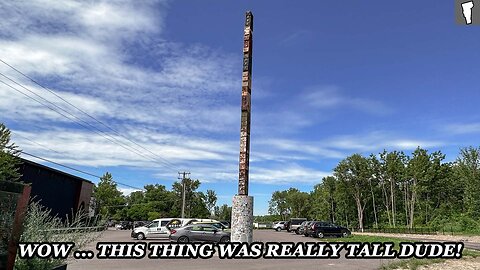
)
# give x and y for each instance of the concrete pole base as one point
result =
(242, 219)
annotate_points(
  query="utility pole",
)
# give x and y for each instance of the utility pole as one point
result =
(182, 175)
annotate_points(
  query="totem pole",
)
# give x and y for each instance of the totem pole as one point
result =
(242, 209)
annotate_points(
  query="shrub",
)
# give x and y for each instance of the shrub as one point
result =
(41, 226)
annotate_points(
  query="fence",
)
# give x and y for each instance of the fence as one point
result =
(415, 230)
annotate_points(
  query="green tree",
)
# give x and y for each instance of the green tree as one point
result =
(467, 170)
(225, 213)
(211, 200)
(9, 152)
(278, 204)
(298, 202)
(354, 173)
(195, 205)
(160, 201)
(320, 205)
(108, 198)
(419, 174)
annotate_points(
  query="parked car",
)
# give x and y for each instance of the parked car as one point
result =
(217, 224)
(301, 228)
(305, 227)
(157, 228)
(321, 229)
(199, 233)
(226, 223)
(140, 223)
(160, 228)
(294, 223)
(279, 225)
(124, 225)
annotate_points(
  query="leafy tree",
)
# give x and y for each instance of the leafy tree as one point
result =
(225, 213)
(345, 205)
(278, 204)
(354, 173)
(468, 172)
(211, 200)
(298, 202)
(417, 169)
(9, 152)
(320, 205)
(195, 205)
(159, 201)
(135, 197)
(108, 198)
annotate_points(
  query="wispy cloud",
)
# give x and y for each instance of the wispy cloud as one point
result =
(330, 97)
(377, 141)
(293, 173)
(461, 128)
(296, 37)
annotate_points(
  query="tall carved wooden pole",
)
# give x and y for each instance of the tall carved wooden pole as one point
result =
(246, 106)
(242, 209)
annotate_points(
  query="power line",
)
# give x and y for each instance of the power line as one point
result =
(96, 130)
(85, 113)
(77, 170)
(39, 144)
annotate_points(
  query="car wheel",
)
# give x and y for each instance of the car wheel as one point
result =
(345, 234)
(320, 234)
(225, 239)
(183, 239)
(278, 229)
(140, 236)
(297, 231)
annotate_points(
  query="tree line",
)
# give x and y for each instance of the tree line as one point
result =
(392, 189)
(155, 201)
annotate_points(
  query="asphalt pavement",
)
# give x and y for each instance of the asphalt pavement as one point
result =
(217, 263)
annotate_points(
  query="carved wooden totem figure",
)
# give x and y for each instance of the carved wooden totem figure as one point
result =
(246, 106)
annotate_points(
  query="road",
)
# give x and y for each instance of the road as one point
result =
(216, 263)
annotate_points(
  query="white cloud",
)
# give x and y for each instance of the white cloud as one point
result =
(291, 174)
(462, 128)
(328, 97)
(84, 148)
(127, 191)
(377, 141)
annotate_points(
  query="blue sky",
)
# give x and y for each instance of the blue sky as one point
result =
(329, 79)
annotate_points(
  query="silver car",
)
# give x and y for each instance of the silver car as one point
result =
(199, 233)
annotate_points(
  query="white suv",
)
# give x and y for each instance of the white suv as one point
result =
(160, 228)
(279, 225)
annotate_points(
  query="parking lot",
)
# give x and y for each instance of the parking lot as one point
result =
(215, 262)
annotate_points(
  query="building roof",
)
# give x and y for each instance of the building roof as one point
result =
(26, 161)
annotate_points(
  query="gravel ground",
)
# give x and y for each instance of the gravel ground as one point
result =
(466, 264)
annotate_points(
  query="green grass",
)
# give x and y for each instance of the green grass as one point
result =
(412, 264)
(470, 253)
(364, 238)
